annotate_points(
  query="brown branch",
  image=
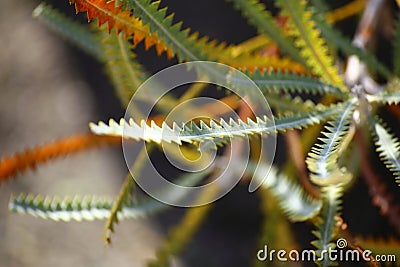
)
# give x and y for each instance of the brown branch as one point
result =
(352, 242)
(381, 198)
(395, 110)
(356, 71)
(30, 158)
(295, 151)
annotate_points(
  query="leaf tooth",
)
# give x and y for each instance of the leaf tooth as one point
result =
(291, 198)
(188, 126)
(226, 126)
(163, 12)
(203, 125)
(233, 123)
(178, 26)
(388, 147)
(168, 134)
(214, 125)
(160, 44)
(252, 123)
(138, 37)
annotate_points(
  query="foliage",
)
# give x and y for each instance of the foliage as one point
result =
(304, 81)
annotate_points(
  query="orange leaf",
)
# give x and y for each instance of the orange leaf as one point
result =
(123, 21)
(20, 162)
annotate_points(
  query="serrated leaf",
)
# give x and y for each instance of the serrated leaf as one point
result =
(107, 12)
(327, 223)
(284, 81)
(170, 38)
(388, 148)
(124, 71)
(258, 16)
(292, 199)
(91, 208)
(124, 195)
(345, 45)
(322, 160)
(286, 103)
(161, 25)
(67, 209)
(74, 32)
(188, 47)
(234, 56)
(191, 132)
(385, 97)
(308, 40)
(30, 158)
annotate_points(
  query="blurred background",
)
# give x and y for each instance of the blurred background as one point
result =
(50, 90)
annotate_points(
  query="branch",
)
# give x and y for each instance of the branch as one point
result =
(356, 71)
(381, 198)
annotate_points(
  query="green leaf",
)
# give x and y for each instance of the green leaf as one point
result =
(286, 103)
(322, 160)
(91, 208)
(281, 81)
(257, 15)
(77, 208)
(327, 223)
(388, 148)
(113, 50)
(171, 34)
(74, 32)
(191, 132)
(345, 45)
(124, 195)
(321, 5)
(292, 199)
(124, 71)
(127, 74)
(276, 230)
(385, 97)
(308, 40)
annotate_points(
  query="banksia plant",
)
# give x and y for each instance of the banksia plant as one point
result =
(329, 96)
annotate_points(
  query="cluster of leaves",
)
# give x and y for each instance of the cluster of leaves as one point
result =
(306, 64)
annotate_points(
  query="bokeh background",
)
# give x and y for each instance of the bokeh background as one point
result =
(49, 90)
